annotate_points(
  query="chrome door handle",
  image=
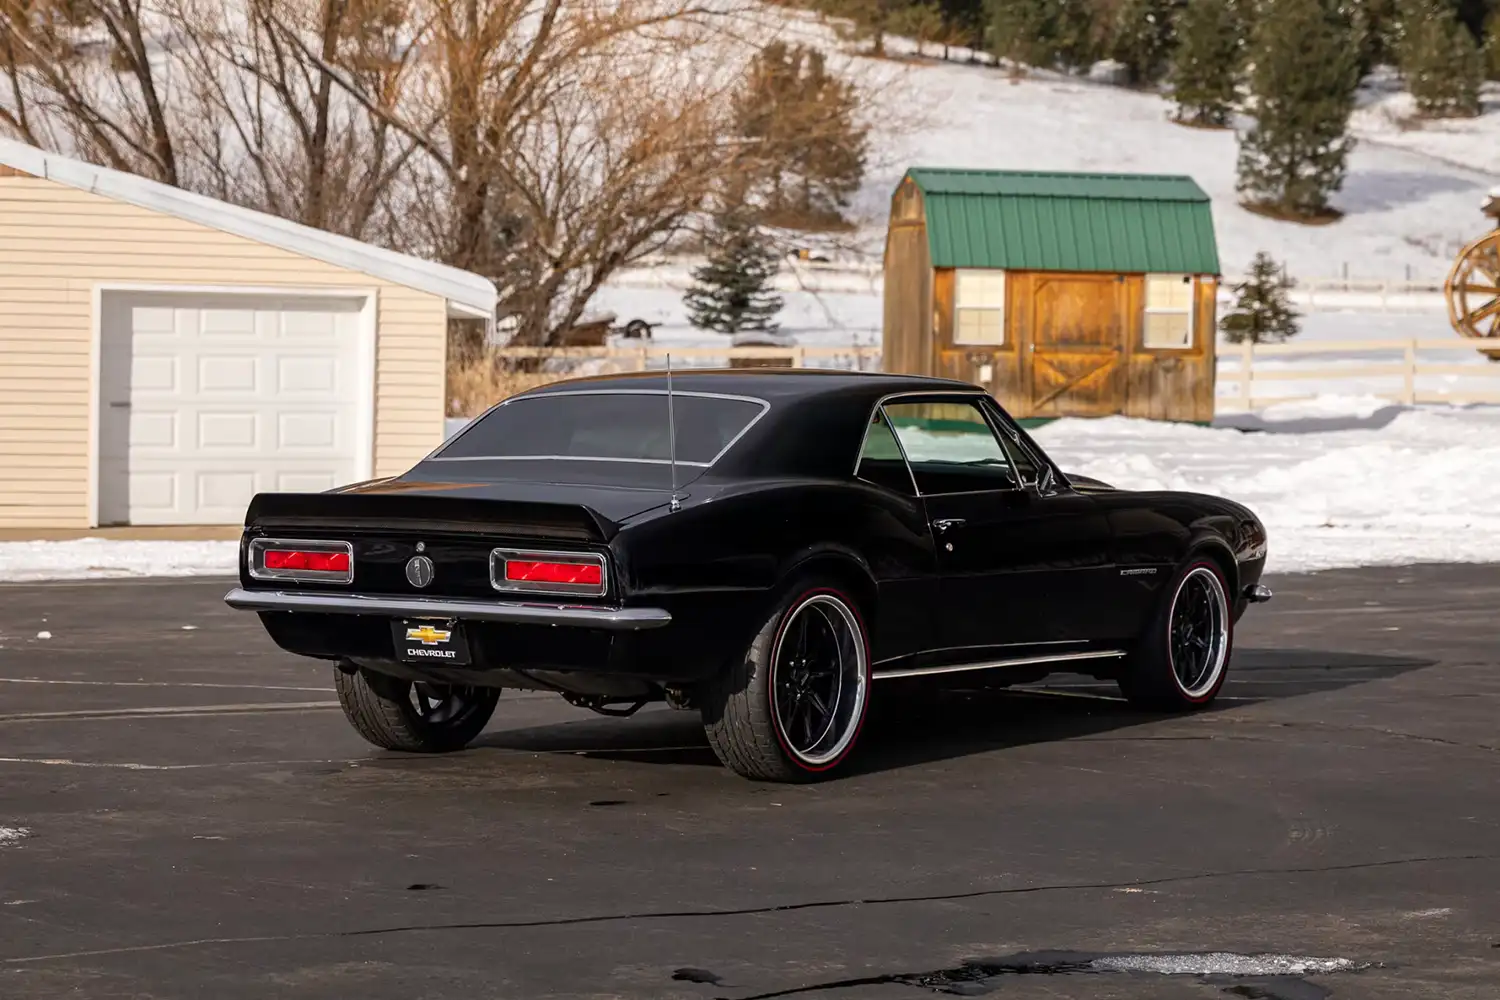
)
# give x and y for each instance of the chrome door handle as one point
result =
(943, 524)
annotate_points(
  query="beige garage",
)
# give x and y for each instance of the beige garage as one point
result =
(165, 356)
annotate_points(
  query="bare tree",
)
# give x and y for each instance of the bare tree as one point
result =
(212, 97)
(83, 68)
(563, 140)
(283, 137)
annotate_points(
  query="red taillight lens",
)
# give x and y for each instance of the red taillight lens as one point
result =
(321, 562)
(589, 574)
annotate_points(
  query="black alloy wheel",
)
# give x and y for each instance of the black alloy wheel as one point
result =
(1200, 632)
(1182, 659)
(791, 709)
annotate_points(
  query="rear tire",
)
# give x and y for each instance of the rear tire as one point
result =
(396, 714)
(791, 708)
(1181, 661)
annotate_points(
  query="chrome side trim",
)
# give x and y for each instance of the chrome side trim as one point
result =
(517, 612)
(1019, 661)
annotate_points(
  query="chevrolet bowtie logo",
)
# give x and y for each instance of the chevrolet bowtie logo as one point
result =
(427, 635)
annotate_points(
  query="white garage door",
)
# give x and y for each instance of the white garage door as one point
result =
(206, 400)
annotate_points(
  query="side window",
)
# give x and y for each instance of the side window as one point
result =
(880, 460)
(951, 447)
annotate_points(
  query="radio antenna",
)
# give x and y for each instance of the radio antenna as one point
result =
(674, 503)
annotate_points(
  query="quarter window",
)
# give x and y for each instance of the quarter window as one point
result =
(979, 307)
(951, 447)
(1169, 310)
(880, 460)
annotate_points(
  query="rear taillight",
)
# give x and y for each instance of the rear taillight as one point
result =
(301, 560)
(571, 573)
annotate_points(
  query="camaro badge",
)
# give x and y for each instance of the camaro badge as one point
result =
(427, 635)
(419, 571)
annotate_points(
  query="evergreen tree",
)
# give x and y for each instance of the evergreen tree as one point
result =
(1261, 313)
(1143, 37)
(1207, 62)
(1442, 66)
(1021, 31)
(731, 291)
(1305, 71)
(1044, 33)
(1492, 45)
(811, 153)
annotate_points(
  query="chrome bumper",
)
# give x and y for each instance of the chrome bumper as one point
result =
(1257, 593)
(514, 612)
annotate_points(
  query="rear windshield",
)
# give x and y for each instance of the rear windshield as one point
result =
(611, 427)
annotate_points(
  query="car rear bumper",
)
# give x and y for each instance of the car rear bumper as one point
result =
(509, 612)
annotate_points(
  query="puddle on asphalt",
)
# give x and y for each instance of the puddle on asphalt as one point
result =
(1266, 976)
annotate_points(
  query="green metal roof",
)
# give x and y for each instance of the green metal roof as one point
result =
(1037, 221)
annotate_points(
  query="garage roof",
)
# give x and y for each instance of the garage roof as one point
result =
(470, 291)
(1042, 221)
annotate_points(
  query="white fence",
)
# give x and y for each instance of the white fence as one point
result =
(1413, 371)
(1311, 294)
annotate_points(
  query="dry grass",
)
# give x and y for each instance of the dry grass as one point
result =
(476, 384)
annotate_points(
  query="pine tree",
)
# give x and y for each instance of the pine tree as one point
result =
(1440, 62)
(1305, 71)
(1261, 313)
(1022, 31)
(1207, 62)
(1492, 45)
(1044, 33)
(1143, 37)
(811, 151)
(731, 291)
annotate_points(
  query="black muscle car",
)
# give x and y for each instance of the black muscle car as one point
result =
(767, 547)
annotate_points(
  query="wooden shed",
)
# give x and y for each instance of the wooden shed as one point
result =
(165, 356)
(1065, 294)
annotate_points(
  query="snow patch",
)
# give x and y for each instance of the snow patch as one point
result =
(44, 635)
(1224, 963)
(1413, 490)
(98, 558)
(13, 835)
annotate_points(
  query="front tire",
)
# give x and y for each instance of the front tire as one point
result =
(1181, 661)
(791, 709)
(414, 717)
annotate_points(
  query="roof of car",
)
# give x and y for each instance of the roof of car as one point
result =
(765, 383)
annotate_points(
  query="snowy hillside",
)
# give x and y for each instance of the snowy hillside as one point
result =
(1411, 197)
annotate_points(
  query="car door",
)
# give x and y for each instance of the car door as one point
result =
(1069, 543)
(1010, 557)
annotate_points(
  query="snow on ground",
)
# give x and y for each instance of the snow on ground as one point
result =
(1352, 482)
(98, 558)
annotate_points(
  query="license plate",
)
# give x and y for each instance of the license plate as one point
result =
(440, 643)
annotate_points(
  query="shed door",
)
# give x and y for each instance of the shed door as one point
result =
(206, 400)
(1077, 344)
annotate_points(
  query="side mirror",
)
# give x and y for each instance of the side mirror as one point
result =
(1046, 483)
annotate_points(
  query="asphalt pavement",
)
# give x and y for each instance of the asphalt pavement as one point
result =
(185, 813)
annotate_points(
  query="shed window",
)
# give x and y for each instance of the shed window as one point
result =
(979, 308)
(1169, 310)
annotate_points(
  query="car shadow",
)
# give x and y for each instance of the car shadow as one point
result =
(911, 724)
